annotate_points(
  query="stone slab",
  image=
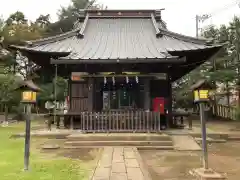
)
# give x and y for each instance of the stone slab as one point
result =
(118, 167)
(203, 174)
(185, 143)
(103, 173)
(132, 163)
(120, 164)
(135, 174)
(129, 155)
(118, 159)
(119, 176)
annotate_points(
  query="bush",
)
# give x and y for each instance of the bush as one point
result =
(19, 111)
(238, 113)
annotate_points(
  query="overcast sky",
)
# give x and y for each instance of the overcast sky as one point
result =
(179, 14)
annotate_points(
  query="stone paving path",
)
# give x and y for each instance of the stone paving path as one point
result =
(120, 163)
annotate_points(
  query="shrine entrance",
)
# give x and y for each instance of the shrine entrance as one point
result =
(122, 94)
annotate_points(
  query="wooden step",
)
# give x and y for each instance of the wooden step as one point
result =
(119, 143)
(138, 147)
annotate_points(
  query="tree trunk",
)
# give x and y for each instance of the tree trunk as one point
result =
(238, 89)
(228, 99)
(6, 114)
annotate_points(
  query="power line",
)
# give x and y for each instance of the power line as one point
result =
(202, 18)
(225, 8)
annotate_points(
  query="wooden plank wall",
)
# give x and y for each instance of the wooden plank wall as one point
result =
(79, 96)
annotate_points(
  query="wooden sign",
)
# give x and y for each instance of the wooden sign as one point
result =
(29, 96)
(76, 78)
(201, 95)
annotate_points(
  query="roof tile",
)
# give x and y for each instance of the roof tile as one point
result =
(119, 38)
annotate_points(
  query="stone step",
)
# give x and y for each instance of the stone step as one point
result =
(211, 135)
(118, 137)
(138, 147)
(210, 140)
(119, 143)
(234, 138)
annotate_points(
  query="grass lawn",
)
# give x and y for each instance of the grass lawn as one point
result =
(43, 165)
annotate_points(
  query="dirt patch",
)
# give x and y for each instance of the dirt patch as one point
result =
(224, 126)
(175, 165)
(84, 154)
(170, 165)
(225, 158)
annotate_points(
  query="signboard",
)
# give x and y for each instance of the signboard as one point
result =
(29, 96)
(78, 76)
(105, 100)
(201, 95)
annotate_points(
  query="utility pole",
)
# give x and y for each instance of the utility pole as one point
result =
(204, 17)
(201, 18)
(197, 25)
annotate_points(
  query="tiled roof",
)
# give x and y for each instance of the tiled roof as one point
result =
(28, 84)
(118, 38)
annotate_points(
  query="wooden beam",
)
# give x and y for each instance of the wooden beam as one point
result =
(167, 60)
(123, 75)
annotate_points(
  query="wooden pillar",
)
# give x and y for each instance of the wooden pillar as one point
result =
(169, 102)
(147, 98)
(70, 93)
(90, 94)
(70, 102)
(55, 93)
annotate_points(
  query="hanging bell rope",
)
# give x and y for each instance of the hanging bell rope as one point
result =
(113, 80)
(136, 78)
(105, 80)
(127, 79)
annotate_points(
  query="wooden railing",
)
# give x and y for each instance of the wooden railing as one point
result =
(120, 121)
(225, 112)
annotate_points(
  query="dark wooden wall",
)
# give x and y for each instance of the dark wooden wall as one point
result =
(78, 96)
(87, 95)
(159, 88)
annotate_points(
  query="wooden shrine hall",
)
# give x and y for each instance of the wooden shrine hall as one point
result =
(121, 65)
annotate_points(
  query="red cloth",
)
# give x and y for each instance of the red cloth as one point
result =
(158, 104)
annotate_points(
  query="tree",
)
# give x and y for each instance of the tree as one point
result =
(47, 93)
(16, 18)
(43, 21)
(69, 15)
(234, 48)
(8, 95)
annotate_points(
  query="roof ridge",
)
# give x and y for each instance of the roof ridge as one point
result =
(201, 41)
(158, 32)
(82, 29)
(53, 38)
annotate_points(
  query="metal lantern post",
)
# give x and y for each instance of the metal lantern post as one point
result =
(29, 94)
(201, 97)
